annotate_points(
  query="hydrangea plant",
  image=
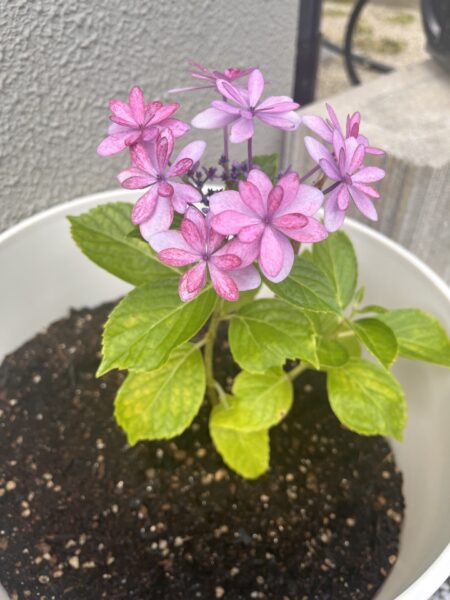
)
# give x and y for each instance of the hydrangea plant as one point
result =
(204, 245)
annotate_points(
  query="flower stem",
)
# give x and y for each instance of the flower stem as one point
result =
(226, 153)
(331, 188)
(250, 153)
(211, 387)
(309, 173)
(296, 371)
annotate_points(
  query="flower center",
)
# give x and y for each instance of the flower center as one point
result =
(348, 179)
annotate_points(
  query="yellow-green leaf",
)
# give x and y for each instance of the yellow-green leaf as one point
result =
(367, 398)
(149, 323)
(266, 332)
(161, 404)
(378, 339)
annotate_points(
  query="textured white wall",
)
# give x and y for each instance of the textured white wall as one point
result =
(62, 61)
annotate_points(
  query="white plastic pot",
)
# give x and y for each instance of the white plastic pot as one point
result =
(43, 274)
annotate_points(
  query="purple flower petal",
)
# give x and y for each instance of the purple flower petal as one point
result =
(313, 231)
(144, 207)
(290, 221)
(165, 189)
(261, 181)
(226, 262)
(334, 217)
(330, 169)
(232, 92)
(171, 239)
(290, 185)
(212, 118)
(251, 233)
(223, 284)
(185, 287)
(366, 189)
(275, 199)
(178, 128)
(160, 220)
(288, 121)
(247, 278)
(135, 179)
(112, 144)
(368, 175)
(364, 204)
(287, 261)
(192, 151)
(307, 201)
(247, 252)
(180, 168)
(192, 235)
(177, 258)
(270, 253)
(230, 222)
(343, 197)
(121, 110)
(255, 87)
(137, 105)
(242, 130)
(251, 196)
(319, 126)
(333, 117)
(140, 158)
(230, 200)
(278, 104)
(317, 151)
(226, 107)
(184, 194)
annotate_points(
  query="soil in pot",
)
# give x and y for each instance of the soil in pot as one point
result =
(84, 516)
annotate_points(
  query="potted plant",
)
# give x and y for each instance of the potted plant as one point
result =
(285, 366)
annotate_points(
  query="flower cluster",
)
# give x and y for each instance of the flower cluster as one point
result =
(252, 219)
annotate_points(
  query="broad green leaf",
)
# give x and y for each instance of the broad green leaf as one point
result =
(420, 336)
(331, 353)
(378, 339)
(244, 299)
(268, 163)
(352, 344)
(258, 402)
(246, 453)
(266, 332)
(367, 398)
(149, 323)
(336, 257)
(103, 235)
(307, 287)
(162, 403)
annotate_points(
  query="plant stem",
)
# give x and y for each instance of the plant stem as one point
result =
(226, 166)
(331, 188)
(211, 388)
(309, 173)
(250, 154)
(296, 371)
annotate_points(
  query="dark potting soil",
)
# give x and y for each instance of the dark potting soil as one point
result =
(84, 516)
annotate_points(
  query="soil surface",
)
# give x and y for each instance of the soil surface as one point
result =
(84, 516)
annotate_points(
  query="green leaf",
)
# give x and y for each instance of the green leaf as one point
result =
(352, 345)
(331, 353)
(266, 332)
(246, 453)
(103, 236)
(268, 163)
(367, 398)
(244, 299)
(373, 308)
(161, 404)
(307, 287)
(378, 338)
(258, 402)
(420, 336)
(336, 257)
(149, 323)
(359, 295)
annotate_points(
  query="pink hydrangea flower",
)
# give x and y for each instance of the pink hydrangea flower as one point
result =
(243, 108)
(264, 217)
(198, 243)
(153, 211)
(138, 122)
(209, 78)
(350, 176)
(326, 128)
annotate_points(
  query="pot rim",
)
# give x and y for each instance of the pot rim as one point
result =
(439, 570)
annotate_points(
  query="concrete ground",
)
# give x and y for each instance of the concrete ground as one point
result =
(390, 32)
